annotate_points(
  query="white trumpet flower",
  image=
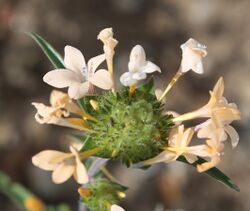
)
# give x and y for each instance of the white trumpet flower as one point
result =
(179, 141)
(192, 54)
(78, 76)
(220, 113)
(138, 67)
(109, 43)
(59, 110)
(214, 147)
(206, 130)
(63, 165)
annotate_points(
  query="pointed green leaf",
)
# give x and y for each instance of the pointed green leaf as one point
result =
(49, 51)
(215, 173)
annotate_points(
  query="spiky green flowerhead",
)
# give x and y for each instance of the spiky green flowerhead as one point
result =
(102, 194)
(128, 128)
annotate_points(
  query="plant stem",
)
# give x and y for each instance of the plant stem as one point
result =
(171, 84)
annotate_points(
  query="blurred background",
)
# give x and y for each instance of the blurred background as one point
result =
(160, 26)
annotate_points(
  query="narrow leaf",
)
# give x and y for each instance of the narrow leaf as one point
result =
(215, 173)
(49, 51)
(14, 191)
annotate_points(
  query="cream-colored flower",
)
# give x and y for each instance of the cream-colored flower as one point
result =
(178, 144)
(78, 76)
(138, 67)
(61, 100)
(217, 108)
(207, 130)
(109, 43)
(59, 111)
(48, 115)
(63, 165)
(115, 207)
(215, 147)
(192, 54)
(219, 111)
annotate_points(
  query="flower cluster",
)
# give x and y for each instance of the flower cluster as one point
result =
(130, 124)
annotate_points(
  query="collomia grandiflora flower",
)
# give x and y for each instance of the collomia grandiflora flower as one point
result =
(131, 124)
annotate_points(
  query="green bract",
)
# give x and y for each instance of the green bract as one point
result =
(104, 193)
(128, 128)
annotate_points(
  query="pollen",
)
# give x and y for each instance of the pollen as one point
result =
(121, 194)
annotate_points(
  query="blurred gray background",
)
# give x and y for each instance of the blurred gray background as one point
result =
(160, 26)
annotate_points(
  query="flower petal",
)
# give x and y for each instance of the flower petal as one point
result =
(218, 89)
(207, 165)
(60, 78)
(234, 136)
(227, 114)
(205, 129)
(109, 44)
(150, 67)
(199, 68)
(44, 159)
(137, 58)
(63, 172)
(46, 114)
(95, 62)
(186, 137)
(102, 79)
(115, 207)
(192, 53)
(164, 156)
(80, 174)
(126, 79)
(58, 98)
(63, 101)
(199, 150)
(107, 37)
(78, 90)
(190, 158)
(74, 60)
(139, 75)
